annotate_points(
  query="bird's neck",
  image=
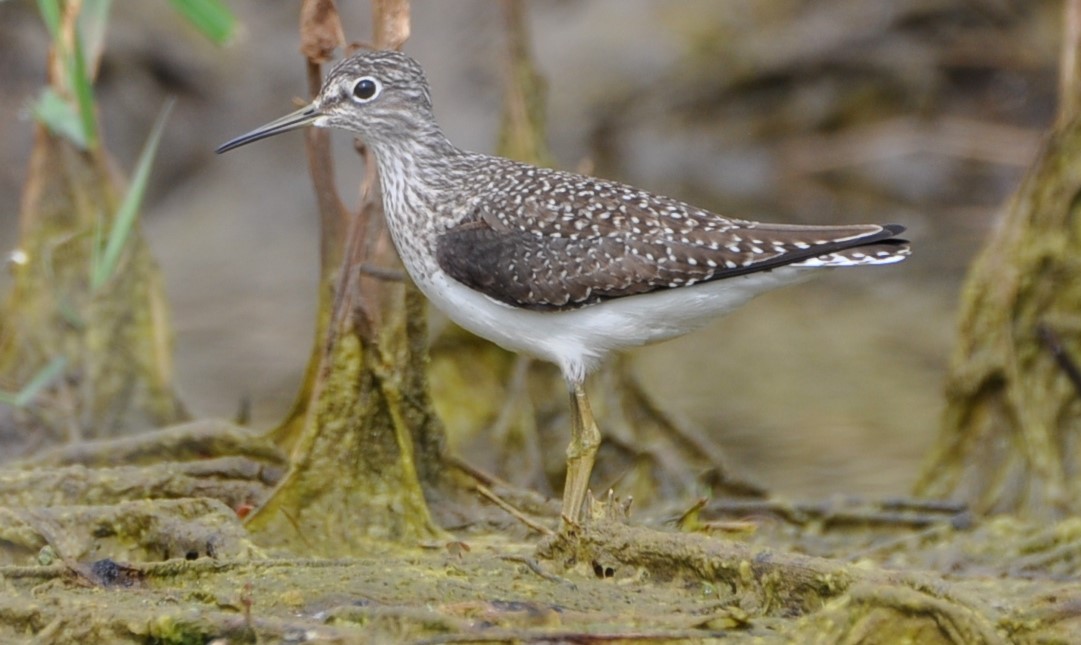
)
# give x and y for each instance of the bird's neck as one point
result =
(413, 175)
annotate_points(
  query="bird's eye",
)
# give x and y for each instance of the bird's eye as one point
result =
(366, 89)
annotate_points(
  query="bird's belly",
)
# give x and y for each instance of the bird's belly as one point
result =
(578, 339)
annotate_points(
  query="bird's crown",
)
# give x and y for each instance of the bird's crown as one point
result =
(371, 91)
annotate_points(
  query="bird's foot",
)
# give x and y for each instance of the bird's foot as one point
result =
(609, 509)
(571, 545)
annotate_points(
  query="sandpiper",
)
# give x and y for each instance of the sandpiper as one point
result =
(561, 266)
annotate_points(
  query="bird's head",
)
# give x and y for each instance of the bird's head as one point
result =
(381, 96)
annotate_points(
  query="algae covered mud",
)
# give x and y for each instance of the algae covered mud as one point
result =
(606, 580)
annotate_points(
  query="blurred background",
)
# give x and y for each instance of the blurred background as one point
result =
(919, 112)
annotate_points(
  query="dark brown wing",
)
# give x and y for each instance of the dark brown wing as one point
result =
(561, 271)
(548, 239)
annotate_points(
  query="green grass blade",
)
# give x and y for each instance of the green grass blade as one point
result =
(84, 94)
(126, 215)
(59, 117)
(50, 13)
(211, 17)
(83, 130)
(93, 20)
(41, 380)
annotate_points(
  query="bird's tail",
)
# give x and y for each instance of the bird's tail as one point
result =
(883, 252)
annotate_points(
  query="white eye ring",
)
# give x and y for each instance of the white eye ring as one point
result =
(366, 89)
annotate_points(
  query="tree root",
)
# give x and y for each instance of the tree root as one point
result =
(187, 441)
(138, 530)
(235, 481)
(840, 602)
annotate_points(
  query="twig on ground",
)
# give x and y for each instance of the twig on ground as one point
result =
(486, 493)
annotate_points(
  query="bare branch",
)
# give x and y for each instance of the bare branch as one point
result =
(1070, 66)
(320, 31)
(390, 23)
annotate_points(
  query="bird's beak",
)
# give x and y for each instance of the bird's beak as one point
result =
(305, 116)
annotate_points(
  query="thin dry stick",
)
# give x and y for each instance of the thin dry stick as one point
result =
(320, 34)
(369, 238)
(536, 568)
(514, 512)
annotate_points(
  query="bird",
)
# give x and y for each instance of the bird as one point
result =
(561, 266)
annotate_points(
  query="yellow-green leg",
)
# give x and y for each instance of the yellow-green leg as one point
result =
(581, 453)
